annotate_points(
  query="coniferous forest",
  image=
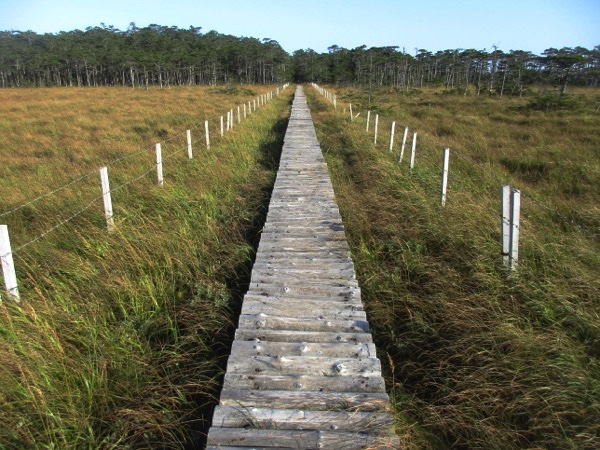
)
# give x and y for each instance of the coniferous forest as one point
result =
(164, 56)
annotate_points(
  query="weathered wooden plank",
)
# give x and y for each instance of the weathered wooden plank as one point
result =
(247, 334)
(337, 349)
(309, 400)
(353, 383)
(341, 303)
(297, 439)
(264, 322)
(309, 365)
(321, 291)
(295, 419)
(297, 309)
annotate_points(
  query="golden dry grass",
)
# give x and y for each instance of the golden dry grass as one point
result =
(477, 358)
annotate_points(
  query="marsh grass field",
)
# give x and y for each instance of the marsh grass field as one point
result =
(120, 338)
(477, 357)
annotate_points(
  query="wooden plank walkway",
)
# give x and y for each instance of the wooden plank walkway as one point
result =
(303, 371)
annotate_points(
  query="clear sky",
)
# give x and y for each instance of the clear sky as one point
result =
(532, 25)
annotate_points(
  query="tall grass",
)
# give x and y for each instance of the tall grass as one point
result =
(477, 358)
(120, 339)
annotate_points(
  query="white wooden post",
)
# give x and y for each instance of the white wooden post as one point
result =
(207, 134)
(228, 120)
(368, 119)
(189, 144)
(392, 131)
(244, 110)
(335, 102)
(376, 127)
(8, 265)
(159, 171)
(254, 103)
(239, 116)
(108, 211)
(222, 132)
(505, 224)
(231, 119)
(351, 116)
(515, 219)
(414, 150)
(403, 143)
(445, 175)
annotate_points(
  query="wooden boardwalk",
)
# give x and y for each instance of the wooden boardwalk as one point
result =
(303, 371)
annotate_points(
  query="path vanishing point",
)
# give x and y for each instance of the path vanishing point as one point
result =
(303, 372)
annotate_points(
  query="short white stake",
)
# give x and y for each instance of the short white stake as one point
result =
(351, 116)
(392, 131)
(335, 102)
(8, 265)
(403, 144)
(222, 132)
(231, 119)
(376, 127)
(239, 115)
(108, 211)
(228, 121)
(445, 175)
(368, 119)
(515, 211)
(159, 167)
(207, 134)
(189, 144)
(245, 111)
(505, 224)
(414, 150)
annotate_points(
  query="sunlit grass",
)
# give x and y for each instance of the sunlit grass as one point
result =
(120, 339)
(476, 358)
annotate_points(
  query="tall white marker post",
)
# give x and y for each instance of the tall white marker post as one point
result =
(445, 175)
(392, 132)
(413, 150)
(8, 265)
(159, 167)
(207, 134)
(189, 143)
(108, 211)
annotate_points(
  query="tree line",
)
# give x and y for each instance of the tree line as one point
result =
(460, 70)
(164, 56)
(153, 55)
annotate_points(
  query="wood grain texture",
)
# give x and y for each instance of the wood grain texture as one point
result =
(303, 371)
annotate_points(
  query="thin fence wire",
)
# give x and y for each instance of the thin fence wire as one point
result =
(426, 138)
(59, 224)
(48, 194)
(95, 199)
(109, 164)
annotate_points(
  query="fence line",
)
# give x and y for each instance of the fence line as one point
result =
(6, 253)
(110, 163)
(510, 256)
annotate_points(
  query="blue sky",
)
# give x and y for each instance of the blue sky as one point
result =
(532, 25)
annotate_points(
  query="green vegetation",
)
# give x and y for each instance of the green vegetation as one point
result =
(120, 339)
(159, 55)
(476, 357)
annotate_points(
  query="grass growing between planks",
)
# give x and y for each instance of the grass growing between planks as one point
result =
(476, 358)
(120, 339)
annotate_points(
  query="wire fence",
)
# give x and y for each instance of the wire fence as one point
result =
(6, 252)
(427, 141)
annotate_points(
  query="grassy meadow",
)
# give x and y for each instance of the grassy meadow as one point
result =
(476, 357)
(120, 338)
